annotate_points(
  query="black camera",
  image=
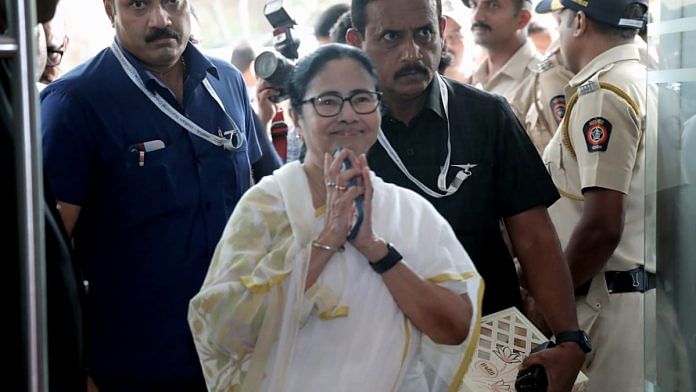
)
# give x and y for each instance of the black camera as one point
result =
(270, 67)
(282, 23)
(275, 70)
(533, 378)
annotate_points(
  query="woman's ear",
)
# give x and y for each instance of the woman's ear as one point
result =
(297, 121)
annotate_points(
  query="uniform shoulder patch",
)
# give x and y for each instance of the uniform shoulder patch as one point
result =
(558, 107)
(597, 132)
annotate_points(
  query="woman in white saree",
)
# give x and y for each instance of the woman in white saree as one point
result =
(289, 304)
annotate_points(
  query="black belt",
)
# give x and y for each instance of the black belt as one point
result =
(635, 280)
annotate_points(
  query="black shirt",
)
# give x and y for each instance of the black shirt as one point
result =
(509, 177)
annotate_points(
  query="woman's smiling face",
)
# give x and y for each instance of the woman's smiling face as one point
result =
(339, 79)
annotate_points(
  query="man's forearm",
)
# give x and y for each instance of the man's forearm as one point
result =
(551, 286)
(540, 255)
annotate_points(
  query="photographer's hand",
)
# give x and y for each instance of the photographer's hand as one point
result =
(266, 107)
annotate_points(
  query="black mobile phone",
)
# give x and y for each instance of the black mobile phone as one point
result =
(347, 165)
(357, 220)
(533, 378)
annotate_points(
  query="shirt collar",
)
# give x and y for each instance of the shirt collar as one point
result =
(197, 65)
(433, 101)
(616, 54)
(525, 57)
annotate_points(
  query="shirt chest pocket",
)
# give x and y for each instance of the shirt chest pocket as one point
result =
(145, 189)
(234, 175)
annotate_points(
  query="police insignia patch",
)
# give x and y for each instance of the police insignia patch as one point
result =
(558, 107)
(597, 132)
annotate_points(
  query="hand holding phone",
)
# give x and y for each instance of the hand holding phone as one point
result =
(534, 379)
(358, 218)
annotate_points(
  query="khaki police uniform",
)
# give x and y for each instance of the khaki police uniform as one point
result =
(548, 100)
(514, 80)
(604, 147)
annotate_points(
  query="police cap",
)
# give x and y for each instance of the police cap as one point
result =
(605, 11)
(468, 3)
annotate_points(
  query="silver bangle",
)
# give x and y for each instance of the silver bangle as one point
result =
(326, 247)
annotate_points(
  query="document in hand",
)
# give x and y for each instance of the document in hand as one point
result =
(506, 338)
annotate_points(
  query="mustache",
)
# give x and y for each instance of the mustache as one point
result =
(157, 33)
(481, 25)
(411, 68)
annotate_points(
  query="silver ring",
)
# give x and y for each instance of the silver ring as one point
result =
(341, 188)
(331, 184)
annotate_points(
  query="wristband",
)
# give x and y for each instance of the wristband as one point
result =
(387, 262)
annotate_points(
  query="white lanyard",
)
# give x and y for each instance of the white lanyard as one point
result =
(442, 178)
(236, 137)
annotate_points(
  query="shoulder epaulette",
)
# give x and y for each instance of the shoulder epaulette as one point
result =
(545, 65)
(588, 87)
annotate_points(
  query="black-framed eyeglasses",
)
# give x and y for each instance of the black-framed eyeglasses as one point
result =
(55, 56)
(330, 104)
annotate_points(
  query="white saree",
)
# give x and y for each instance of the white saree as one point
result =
(256, 329)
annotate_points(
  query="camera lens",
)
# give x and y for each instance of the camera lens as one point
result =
(265, 65)
(276, 70)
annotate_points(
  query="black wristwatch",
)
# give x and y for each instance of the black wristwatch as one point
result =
(387, 262)
(579, 337)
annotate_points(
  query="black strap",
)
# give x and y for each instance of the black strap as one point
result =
(635, 280)
(387, 262)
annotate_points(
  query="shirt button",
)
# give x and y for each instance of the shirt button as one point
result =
(208, 205)
(410, 152)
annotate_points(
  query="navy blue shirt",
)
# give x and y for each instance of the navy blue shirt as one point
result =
(146, 233)
(509, 177)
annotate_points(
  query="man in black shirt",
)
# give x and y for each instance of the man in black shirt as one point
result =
(490, 172)
(503, 178)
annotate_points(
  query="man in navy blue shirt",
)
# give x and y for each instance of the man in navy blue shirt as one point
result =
(148, 146)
